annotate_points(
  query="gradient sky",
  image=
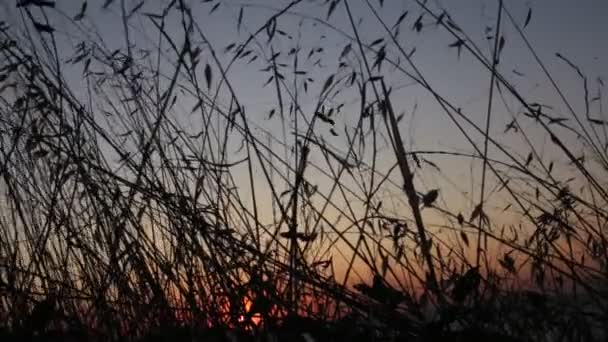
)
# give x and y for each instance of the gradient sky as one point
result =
(576, 29)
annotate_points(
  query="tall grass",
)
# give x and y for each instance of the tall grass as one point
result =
(143, 196)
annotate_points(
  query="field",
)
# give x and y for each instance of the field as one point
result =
(320, 170)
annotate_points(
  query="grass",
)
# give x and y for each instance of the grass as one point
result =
(144, 199)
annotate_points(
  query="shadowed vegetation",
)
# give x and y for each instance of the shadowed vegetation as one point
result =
(148, 194)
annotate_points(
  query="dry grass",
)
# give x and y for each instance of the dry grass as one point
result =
(143, 199)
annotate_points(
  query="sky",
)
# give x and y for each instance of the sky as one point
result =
(575, 29)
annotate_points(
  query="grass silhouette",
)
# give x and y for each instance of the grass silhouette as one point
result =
(143, 199)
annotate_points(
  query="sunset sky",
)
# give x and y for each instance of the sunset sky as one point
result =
(575, 29)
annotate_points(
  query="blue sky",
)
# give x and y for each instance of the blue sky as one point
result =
(575, 29)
